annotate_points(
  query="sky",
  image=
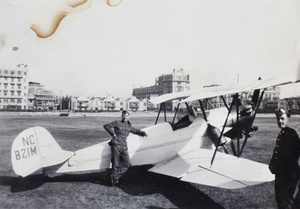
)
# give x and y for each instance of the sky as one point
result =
(100, 50)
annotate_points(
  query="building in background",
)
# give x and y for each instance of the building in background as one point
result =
(96, 104)
(292, 104)
(83, 103)
(135, 104)
(46, 100)
(271, 99)
(177, 81)
(121, 104)
(13, 88)
(33, 87)
(40, 99)
(147, 92)
(16, 94)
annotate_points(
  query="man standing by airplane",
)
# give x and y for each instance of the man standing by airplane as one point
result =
(284, 162)
(119, 130)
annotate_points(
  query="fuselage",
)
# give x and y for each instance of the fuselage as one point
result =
(164, 141)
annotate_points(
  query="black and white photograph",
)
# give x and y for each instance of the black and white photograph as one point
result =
(155, 104)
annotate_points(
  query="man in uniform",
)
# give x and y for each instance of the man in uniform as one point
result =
(284, 162)
(119, 130)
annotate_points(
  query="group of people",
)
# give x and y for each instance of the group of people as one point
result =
(284, 162)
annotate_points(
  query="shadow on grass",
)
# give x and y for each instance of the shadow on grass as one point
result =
(19, 184)
(136, 182)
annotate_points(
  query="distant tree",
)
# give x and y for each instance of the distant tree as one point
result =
(65, 102)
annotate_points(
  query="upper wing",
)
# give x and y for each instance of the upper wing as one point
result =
(221, 90)
(172, 96)
(235, 88)
(227, 172)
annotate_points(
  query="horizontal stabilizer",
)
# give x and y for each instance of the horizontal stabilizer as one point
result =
(228, 172)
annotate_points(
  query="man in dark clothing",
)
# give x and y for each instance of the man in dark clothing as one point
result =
(119, 130)
(284, 162)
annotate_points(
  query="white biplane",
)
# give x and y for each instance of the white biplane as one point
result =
(193, 148)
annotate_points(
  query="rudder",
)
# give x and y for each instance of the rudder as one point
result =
(35, 148)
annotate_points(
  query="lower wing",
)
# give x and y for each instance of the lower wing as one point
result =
(228, 172)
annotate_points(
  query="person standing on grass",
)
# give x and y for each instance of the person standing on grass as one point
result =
(284, 162)
(119, 130)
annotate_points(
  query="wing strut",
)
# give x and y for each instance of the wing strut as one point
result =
(161, 106)
(165, 114)
(203, 111)
(237, 122)
(229, 111)
(225, 103)
(210, 104)
(255, 111)
(176, 111)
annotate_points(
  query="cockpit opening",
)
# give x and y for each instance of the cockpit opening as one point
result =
(184, 117)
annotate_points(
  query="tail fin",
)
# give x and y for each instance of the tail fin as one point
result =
(35, 148)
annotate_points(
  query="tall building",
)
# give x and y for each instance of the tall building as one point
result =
(176, 81)
(13, 88)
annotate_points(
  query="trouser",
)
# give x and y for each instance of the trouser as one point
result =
(285, 185)
(120, 160)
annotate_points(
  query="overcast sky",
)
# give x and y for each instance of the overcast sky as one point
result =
(104, 50)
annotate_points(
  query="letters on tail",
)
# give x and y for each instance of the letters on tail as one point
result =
(35, 148)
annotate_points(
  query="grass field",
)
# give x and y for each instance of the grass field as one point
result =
(139, 188)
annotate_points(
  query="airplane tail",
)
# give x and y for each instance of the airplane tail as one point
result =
(35, 148)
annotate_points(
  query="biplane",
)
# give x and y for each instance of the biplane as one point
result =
(198, 144)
